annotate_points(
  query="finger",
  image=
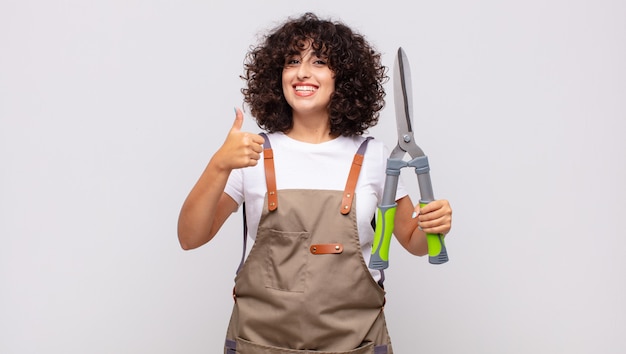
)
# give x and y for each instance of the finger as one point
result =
(435, 229)
(433, 222)
(251, 143)
(430, 207)
(255, 156)
(438, 207)
(253, 159)
(437, 214)
(238, 123)
(437, 224)
(257, 148)
(425, 215)
(256, 142)
(442, 230)
(435, 218)
(256, 138)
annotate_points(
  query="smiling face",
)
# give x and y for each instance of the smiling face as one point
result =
(308, 83)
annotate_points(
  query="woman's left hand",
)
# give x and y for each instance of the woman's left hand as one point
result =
(435, 217)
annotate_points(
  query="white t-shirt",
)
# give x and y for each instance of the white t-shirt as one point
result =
(300, 165)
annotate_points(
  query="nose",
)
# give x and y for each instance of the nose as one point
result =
(304, 71)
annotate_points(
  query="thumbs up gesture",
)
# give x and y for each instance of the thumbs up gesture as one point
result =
(240, 149)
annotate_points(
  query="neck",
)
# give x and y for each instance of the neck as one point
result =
(312, 129)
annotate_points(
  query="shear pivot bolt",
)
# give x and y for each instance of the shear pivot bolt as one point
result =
(406, 138)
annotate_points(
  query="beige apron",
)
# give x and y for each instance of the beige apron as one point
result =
(304, 287)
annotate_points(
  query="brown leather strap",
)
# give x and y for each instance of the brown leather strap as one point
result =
(270, 179)
(348, 193)
(353, 177)
(270, 174)
(327, 248)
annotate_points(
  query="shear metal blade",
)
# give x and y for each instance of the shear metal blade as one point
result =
(402, 93)
(403, 99)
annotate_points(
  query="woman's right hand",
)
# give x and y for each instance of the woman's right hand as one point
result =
(207, 206)
(240, 149)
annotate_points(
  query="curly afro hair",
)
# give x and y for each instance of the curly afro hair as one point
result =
(359, 75)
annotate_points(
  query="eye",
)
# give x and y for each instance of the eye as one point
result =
(320, 61)
(292, 61)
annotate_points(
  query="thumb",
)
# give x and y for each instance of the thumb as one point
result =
(238, 120)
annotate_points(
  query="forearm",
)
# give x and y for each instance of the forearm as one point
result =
(406, 228)
(417, 244)
(200, 218)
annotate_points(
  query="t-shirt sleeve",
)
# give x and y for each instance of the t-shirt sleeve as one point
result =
(401, 191)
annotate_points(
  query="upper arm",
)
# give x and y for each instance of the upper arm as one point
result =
(225, 207)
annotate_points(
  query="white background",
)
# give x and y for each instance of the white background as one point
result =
(111, 109)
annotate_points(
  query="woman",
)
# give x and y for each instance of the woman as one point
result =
(314, 86)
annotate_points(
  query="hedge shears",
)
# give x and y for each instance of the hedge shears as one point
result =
(437, 253)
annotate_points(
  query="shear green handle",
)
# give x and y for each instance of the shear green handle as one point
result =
(382, 237)
(437, 253)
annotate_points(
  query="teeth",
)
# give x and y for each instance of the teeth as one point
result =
(305, 88)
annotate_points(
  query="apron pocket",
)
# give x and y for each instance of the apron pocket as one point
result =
(287, 260)
(246, 347)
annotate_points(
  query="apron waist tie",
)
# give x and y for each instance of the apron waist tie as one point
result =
(231, 348)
